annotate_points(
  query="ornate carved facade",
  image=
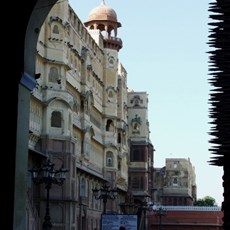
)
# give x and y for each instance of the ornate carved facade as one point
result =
(79, 116)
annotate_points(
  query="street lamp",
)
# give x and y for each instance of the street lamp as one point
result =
(145, 206)
(160, 212)
(104, 193)
(129, 207)
(48, 175)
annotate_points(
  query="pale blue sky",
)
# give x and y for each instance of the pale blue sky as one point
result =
(165, 54)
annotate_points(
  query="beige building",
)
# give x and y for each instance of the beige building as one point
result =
(175, 183)
(141, 148)
(83, 117)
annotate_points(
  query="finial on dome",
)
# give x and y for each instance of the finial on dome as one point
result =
(102, 2)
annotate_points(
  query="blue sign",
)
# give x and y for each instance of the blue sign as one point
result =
(115, 221)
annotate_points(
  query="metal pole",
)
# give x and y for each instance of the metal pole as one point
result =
(144, 219)
(160, 221)
(104, 205)
(47, 225)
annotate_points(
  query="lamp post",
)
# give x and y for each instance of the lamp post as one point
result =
(48, 175)
(160, 212)
(129, 207)
(104, 193)
(145, 206)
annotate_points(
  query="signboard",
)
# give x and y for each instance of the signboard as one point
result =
(115, 221)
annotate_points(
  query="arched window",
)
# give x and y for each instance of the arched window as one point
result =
(56, 119)
(55, 29)
(136, 126)
(53, 75)
(109, 125)
(175, 181)
(110, 94)
(136, 102)
(109, 159)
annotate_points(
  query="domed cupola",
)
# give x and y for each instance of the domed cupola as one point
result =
(104, 18)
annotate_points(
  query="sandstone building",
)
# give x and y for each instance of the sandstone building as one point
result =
(83, 116)
(141, 149)
(175, 183)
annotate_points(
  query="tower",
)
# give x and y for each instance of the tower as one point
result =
(141, 148)
(102, 25)
(104, 19)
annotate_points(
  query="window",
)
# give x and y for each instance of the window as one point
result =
(109, 125)
(119, 138)
(55, 29)
(137, 182)
(56, 119)
(82, 187)
(109, 162)
(136, 123)
(136, 102)
(119, 165)
(175, 181)
(137, 155)
(109, 159)
(53, 75)
(110, 94)
(135, 126)
(175, 165)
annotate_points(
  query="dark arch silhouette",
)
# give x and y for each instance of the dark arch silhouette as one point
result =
(20, 46)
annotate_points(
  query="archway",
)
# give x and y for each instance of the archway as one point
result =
(20, 80)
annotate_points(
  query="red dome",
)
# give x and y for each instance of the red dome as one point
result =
(102, 12)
